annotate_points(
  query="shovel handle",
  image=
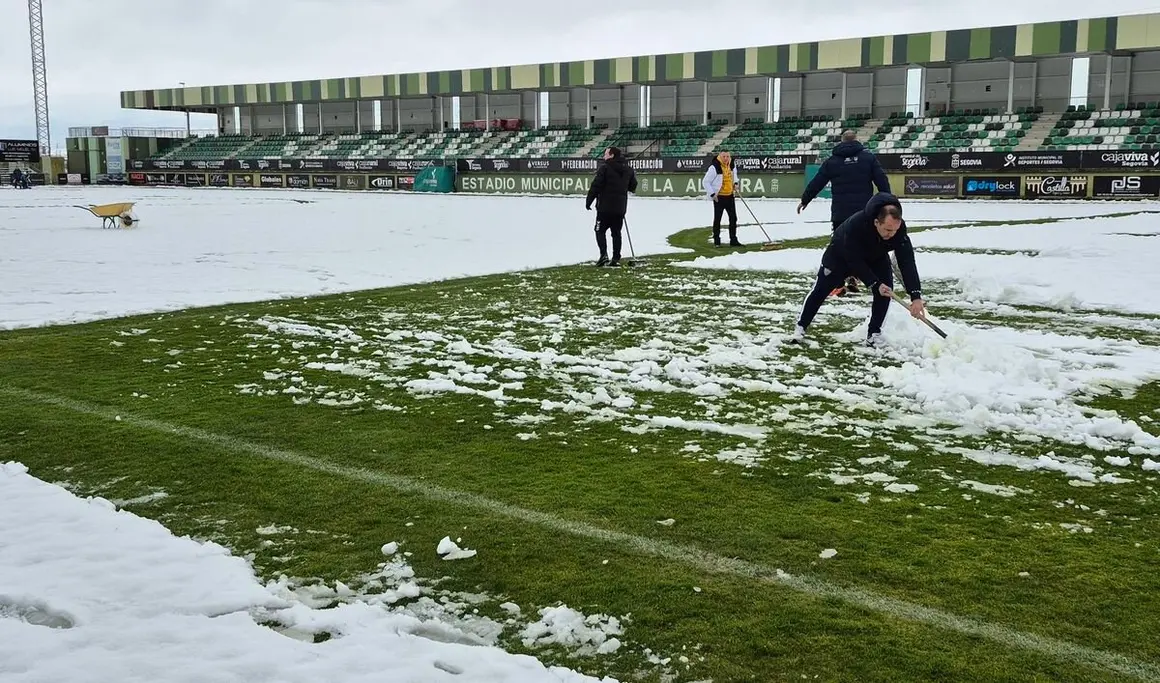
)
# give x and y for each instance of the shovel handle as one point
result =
(898, 297)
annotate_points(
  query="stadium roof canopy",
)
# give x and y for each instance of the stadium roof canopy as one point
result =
(1114, 35)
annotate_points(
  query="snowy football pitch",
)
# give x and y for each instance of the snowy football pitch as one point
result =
(475, 439)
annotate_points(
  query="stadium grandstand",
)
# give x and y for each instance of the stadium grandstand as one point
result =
(1086, 85)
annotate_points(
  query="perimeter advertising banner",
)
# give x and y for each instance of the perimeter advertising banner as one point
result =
(584, 165)
(285, 165)
(1055, 187)
(648, 185)
(968, 162)
(930, 185)
(780, 185)
(991, 186)
(1125, 187)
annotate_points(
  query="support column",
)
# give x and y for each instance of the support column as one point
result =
(845, 89)
(704, 103)
(769, 99)
(285, 128)
(357, 117)
(587, 107)
(870, 111)
(442, 117)
(1034, 83)
(319, 118)
(398, 115)
(1128, 79)
(1011, 86)
(736, 102)
(801, 95)
(619, 106)
(487, 111)
(923, 94)
(1107, 82)
(536, 109)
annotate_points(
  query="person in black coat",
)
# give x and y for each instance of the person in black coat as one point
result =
(614, 180)
(852, 172)
(860, 247)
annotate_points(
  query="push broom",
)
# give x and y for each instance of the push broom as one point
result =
(631, 262)
(769, 243)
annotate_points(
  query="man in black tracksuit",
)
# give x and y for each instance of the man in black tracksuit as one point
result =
(852, 172)
(614, 180)
(861, 247)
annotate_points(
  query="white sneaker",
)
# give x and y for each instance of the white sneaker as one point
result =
(799, 334)
(874, 339)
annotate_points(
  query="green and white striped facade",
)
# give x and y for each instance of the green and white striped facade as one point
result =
(1122, 35)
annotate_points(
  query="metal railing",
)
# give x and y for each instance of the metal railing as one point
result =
(105, 131)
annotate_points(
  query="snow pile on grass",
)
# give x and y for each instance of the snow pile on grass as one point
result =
(584, 635)
(975, 380)
(450, 550)
(90, 593)
(1017, 386)
(1091, 263)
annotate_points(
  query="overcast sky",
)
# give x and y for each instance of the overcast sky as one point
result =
(96, 48)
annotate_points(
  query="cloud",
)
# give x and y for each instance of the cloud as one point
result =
(96, 49)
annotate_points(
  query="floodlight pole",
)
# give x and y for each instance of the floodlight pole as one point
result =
(39, 76)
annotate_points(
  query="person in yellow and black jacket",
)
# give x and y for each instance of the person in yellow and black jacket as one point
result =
(721, 184)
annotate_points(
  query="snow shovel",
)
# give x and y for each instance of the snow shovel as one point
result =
(769, 243)
(902, 302)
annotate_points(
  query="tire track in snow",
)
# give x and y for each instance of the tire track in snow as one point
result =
(684, 554)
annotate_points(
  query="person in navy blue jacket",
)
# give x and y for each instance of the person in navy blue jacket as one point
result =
(852, 172)
(860, 247)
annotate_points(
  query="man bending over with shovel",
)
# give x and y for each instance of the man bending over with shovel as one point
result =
(861, 247)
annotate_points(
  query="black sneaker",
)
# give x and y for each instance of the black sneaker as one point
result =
(602, 261)
(851, 284)
(615, 261)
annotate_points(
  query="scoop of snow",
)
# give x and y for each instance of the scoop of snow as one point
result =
(450, 551)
